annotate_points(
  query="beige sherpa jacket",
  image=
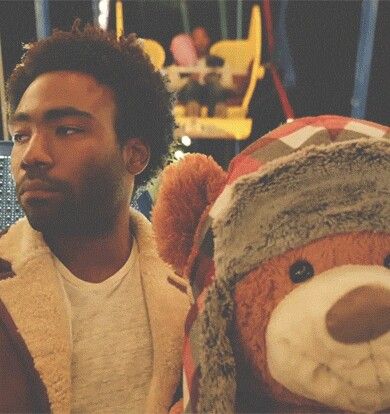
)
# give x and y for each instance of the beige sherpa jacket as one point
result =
(34, 327)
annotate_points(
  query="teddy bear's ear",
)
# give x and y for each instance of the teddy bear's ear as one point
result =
(186, 188)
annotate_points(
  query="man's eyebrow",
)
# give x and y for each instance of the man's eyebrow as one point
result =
(51, 114)
(18, 117)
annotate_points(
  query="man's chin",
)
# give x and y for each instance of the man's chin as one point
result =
(61, 225)
(43, 224)
(38, 214)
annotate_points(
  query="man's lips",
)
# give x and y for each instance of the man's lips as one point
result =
(37, 189)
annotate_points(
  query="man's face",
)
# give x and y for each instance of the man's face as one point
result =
(69, 171)
(201, 41)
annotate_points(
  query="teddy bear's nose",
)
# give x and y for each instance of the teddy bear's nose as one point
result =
(361, 315)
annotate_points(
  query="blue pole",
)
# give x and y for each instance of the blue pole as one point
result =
(42, 18)
(3, 101)
(283, 56)
(95, 12)
(184, 16)
(223, 19)
(239, 19)
(368, 17)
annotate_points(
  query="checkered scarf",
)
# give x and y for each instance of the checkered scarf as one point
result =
(213, 296)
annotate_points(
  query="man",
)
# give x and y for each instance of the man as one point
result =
(212, 82)
(91, 320)
(201, 40)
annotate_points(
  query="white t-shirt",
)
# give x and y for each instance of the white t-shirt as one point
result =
(112, 344)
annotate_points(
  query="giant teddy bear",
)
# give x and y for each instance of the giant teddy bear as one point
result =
(288, 258)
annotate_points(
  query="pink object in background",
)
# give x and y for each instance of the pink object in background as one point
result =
(183, 50)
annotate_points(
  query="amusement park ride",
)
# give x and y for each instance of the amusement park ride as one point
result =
(243, 57)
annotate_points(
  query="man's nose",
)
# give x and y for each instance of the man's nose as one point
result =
(37, 152)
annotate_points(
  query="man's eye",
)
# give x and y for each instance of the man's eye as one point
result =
(19, 137)
(67, 130)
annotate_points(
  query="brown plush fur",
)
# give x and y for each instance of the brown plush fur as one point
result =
(262, 289)
(187, 188)
(327, 190)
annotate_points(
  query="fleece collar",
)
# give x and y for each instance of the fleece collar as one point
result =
(34, 299)
(167, 305)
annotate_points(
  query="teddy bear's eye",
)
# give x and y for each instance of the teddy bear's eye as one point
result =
(301, 271)
(386, 262)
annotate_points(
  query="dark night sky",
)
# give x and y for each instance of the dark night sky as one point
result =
(323, 39)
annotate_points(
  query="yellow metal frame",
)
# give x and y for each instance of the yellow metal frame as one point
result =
(240, 55)
(214, 128)
(119, 18)
(155, 51)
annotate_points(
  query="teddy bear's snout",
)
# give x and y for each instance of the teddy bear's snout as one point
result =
(361, 315)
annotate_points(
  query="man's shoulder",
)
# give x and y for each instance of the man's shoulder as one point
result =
(15, 241)
(5, 269)
(5, 266)
(15, 231)
(166, 286)
(4, 231)
(167, 279)
(150, 259)
(178, 282)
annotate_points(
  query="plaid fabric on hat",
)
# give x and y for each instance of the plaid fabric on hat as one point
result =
(291, 137)
(283, 141)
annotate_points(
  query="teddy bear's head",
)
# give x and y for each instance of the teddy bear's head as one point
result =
(288, 257)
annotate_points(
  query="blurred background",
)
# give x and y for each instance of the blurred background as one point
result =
(322, 40)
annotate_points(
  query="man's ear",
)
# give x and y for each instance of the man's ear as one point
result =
(136, 155)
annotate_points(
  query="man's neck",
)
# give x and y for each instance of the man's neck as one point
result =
(95, 259)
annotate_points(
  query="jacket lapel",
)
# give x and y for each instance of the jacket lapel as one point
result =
(167, 308)
(34, 300)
